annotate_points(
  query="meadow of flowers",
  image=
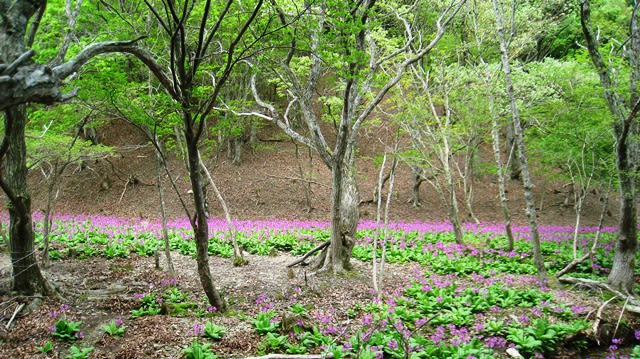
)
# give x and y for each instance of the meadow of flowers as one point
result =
(462, 301)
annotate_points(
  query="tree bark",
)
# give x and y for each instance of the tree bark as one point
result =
(199, 221)
(621, 276)
(521, 150)
(163, 211)
(345, 214)
(27, 278)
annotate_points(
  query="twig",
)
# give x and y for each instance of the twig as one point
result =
(322, 246)
(620, 316)
(123, 192)
(298, 179)
(18, 309)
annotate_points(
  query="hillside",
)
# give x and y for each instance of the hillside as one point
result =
(266, 185)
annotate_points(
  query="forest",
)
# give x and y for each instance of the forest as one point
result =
(319, 179)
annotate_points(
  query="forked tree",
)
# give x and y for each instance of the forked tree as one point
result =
(345, 40)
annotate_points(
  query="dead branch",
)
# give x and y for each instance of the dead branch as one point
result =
(298, 179)
(321, 246)
(632, 304)
(18, 309)
(596, 323)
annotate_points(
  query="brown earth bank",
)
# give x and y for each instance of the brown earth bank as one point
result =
(267, 184)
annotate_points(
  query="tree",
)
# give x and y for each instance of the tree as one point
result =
(519, 142)
(347, 42)
(193, 34)
(626, 130)
(23, 80)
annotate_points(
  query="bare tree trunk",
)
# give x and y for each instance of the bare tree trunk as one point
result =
(504, 201)
(27, 278)
(344, 217)
(513, 162)
(522, 155)
(621, 276)
(163, 211)
(238, 258)
(199, 222)
(46, 222)
(415, 188)
(467, 177)
(306, 186)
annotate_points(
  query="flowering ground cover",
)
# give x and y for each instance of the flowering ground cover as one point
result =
(440, 299)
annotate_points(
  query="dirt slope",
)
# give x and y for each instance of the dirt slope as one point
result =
(264, 186)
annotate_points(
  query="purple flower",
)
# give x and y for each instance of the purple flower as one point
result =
(536, 311)
(211, 309)
(524, 319)
(393, 345)
(118, 322)
(636, 333)
(367, 319)
(79, 335)
(197, 330)
(138, 296)
(495, 342)
(64, 308)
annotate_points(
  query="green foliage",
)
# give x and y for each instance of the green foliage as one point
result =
(67, 330)
(47, 347)
(115, 328)
(148, 306)
(198, 350)
(213, 331)
(266, 322)
(79, 353)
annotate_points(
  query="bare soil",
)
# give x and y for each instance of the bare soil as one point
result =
(265, 186)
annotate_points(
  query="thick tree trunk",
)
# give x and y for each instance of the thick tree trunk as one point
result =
(199, 222)
(345, 199)
(621, 276)
(415, 189)
(27, 278)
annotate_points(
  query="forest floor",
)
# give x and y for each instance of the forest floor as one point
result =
(98, 291)
(265, 186)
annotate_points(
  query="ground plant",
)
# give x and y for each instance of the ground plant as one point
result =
(471, 300)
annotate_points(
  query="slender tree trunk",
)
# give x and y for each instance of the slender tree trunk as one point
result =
(27, 278)
(46, 222)
(504, 201)
(163, 210)
(199, 222)
(238, 259)
(306, 186)
(513, 162)
(522, 154)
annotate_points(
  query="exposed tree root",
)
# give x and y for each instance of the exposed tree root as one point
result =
(301, 260)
